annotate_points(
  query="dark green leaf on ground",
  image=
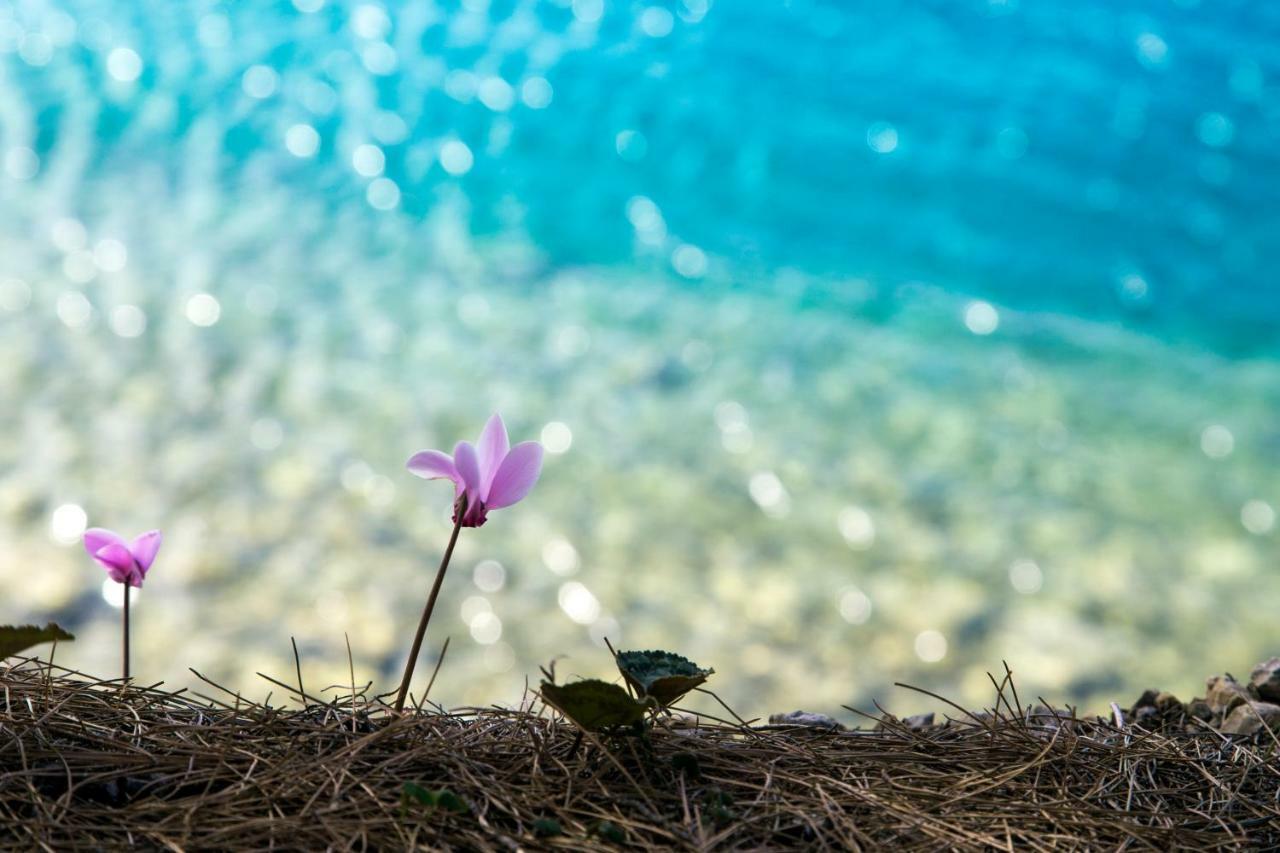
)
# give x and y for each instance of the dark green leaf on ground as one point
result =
(441, 799)
(665, 676)
(15, 639)
(545, 827)
(609, 831)
(594, 704)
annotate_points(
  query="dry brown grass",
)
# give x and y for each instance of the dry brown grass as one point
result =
(86, 764)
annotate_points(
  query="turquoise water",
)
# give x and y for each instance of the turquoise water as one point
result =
(872, 344)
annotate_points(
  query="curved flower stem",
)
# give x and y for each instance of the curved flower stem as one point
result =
(126, 633)
(460, 509)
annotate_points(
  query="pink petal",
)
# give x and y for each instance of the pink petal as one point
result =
(116, 559)
(516, 475)
(144, 550)
(491, 449)
(433, 465)
(96, 538)
(464, 457)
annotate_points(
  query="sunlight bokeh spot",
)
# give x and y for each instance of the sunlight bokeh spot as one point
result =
(456, 157)
(560, 556)
(855, 606)
(302, 140)
(486, 628)
(368, 160)
(489, 576)
(657, 22)
(536, 93)
(930, 646)
(770, 494)
(689, 261)
(128, 321)
(857, 527)
(260, 81)
(124, 64)
(1026, 576)
(74, 309)
(1258, 517)
(1217, 442)
(113, 594)
(383, 194)
(67, 524)
(203, 309)
(1152, 50)
(981, 317)
(556, 437)
(882, 138)
(578, 603)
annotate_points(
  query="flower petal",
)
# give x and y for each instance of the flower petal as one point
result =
(117, 560)
(516, 475)
(144, 549)
(464, 457)
(96, 538)
(491, 449)
(433, 465)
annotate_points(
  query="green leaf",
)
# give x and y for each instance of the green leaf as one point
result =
(545, 827)
(609, 831)
(594, 704)
(665, 676)
(443, 798)
(417, 793)
(19, 638)
(449, 801)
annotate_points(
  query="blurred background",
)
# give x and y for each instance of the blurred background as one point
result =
(868, 342)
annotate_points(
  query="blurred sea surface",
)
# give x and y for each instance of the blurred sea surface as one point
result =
(869, 342)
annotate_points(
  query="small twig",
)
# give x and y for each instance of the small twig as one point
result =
(351, 665)
(297, 663)
(440, 660)
(279, 683)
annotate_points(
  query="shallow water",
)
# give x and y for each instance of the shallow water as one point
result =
(877, 345)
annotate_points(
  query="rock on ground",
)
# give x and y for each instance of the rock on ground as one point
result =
(1265, 680)
(1249, 718)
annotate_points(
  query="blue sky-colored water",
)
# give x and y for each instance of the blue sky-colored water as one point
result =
(940, 329)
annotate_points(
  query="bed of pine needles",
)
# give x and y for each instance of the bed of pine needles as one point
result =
(91, 765)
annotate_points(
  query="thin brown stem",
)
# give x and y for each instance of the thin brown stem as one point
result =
(126, 633)
(460, 509)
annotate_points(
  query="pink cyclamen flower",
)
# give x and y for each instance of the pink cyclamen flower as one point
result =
(490, 473)
(125, 562)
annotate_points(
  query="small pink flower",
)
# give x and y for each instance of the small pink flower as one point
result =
(125, 562)
(490, 473)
